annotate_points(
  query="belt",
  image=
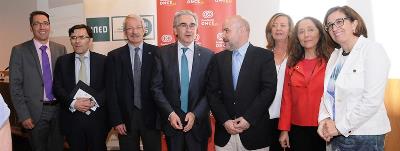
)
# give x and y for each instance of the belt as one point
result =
(50, 103)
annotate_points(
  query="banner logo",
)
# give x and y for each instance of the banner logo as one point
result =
(166, 38)
(167, 3)
(208, 14)
(100, 27)
(193, 2)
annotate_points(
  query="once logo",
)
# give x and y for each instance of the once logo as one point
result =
(208, 14)
(219, 36)
(166, 38)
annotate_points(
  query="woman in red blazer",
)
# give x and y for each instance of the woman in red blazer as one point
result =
(309, 50)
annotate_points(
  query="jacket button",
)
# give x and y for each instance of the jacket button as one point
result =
(234, 103)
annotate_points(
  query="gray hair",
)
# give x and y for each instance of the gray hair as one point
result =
(136, 17)
(181, 13)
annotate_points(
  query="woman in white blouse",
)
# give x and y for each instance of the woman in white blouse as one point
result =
(277, 33)
(352, 112)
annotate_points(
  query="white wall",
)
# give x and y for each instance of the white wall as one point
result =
(14, 26)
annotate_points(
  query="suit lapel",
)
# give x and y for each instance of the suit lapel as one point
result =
(174, 66)
(53, 55)
(195, 66)
(246, 65)
(71, 78)
(93, 69)
(146, 62)
(227, 61)
(33, 51)
(127, 64)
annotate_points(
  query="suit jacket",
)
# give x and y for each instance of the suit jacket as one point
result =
(255, 91)
(166, 88)
(120, 86)
(359, 90)
(26, 83)
(65, 82)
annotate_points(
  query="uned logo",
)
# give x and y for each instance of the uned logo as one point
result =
(219, 36)
(166, 38)
(208, 14)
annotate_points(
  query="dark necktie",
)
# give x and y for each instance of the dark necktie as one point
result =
(46, 74)
(136, 79)
(184, 81)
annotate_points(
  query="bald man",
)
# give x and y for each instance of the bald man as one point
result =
(241, 88)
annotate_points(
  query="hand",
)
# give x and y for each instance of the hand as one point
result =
(230, 127)
(284, 139)
(190, 117)
(175, 121)
(28, 123)
(322, 128)
(121, 129)
(330, 130)
(83, 104)
(241, 124)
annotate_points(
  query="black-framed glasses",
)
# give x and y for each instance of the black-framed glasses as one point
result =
(338, 23)
(78, 37)
(46, 23)
(190, 26)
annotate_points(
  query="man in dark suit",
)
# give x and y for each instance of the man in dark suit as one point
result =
(241, 88)
(133, 113)
(179, 87)
(83, 117)
(31, 66)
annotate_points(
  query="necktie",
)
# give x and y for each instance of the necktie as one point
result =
(46, 74)
(82, 70)
(136, 80)
(184, 81)
(235, 67)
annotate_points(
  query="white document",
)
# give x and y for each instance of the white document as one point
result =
(82, 94)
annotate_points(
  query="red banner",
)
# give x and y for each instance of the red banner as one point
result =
(210, 13)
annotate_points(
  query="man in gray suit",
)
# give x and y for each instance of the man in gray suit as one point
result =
(31, 66)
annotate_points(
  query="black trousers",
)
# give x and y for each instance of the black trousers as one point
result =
(185, 142)
(151, 138)
(305, 138)
(275, 145)
(87, 133)
(46, 135)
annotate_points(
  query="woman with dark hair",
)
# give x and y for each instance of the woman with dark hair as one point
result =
(277, 33)
(352, 112)
(309, 50)
(5, 129)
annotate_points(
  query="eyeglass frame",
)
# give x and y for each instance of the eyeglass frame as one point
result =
(187, 26)
(329, 27)
(45, 23)
(74, 38)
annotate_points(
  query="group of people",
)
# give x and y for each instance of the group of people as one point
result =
(293, 95)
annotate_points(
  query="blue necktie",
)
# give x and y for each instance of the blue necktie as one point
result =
(46, 74)
(184, 81)
(235, 67)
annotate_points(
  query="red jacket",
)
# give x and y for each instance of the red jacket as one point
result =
(301, 98)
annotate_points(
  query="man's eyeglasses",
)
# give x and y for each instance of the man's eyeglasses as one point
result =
(190, 26)
(41, 24)
(78, 37)
(338, 23)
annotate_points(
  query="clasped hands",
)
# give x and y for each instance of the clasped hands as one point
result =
(176, 122)
(236, 126)
(327, 129)
(84, 104)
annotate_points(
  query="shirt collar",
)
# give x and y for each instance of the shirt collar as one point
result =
(243, 49)
(132, 47)
(191, 46)
(86, 55)
(38, 44)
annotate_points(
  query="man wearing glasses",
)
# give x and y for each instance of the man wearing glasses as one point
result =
(179, 94)
(133, 113)
(80, 89)
(31, 66)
